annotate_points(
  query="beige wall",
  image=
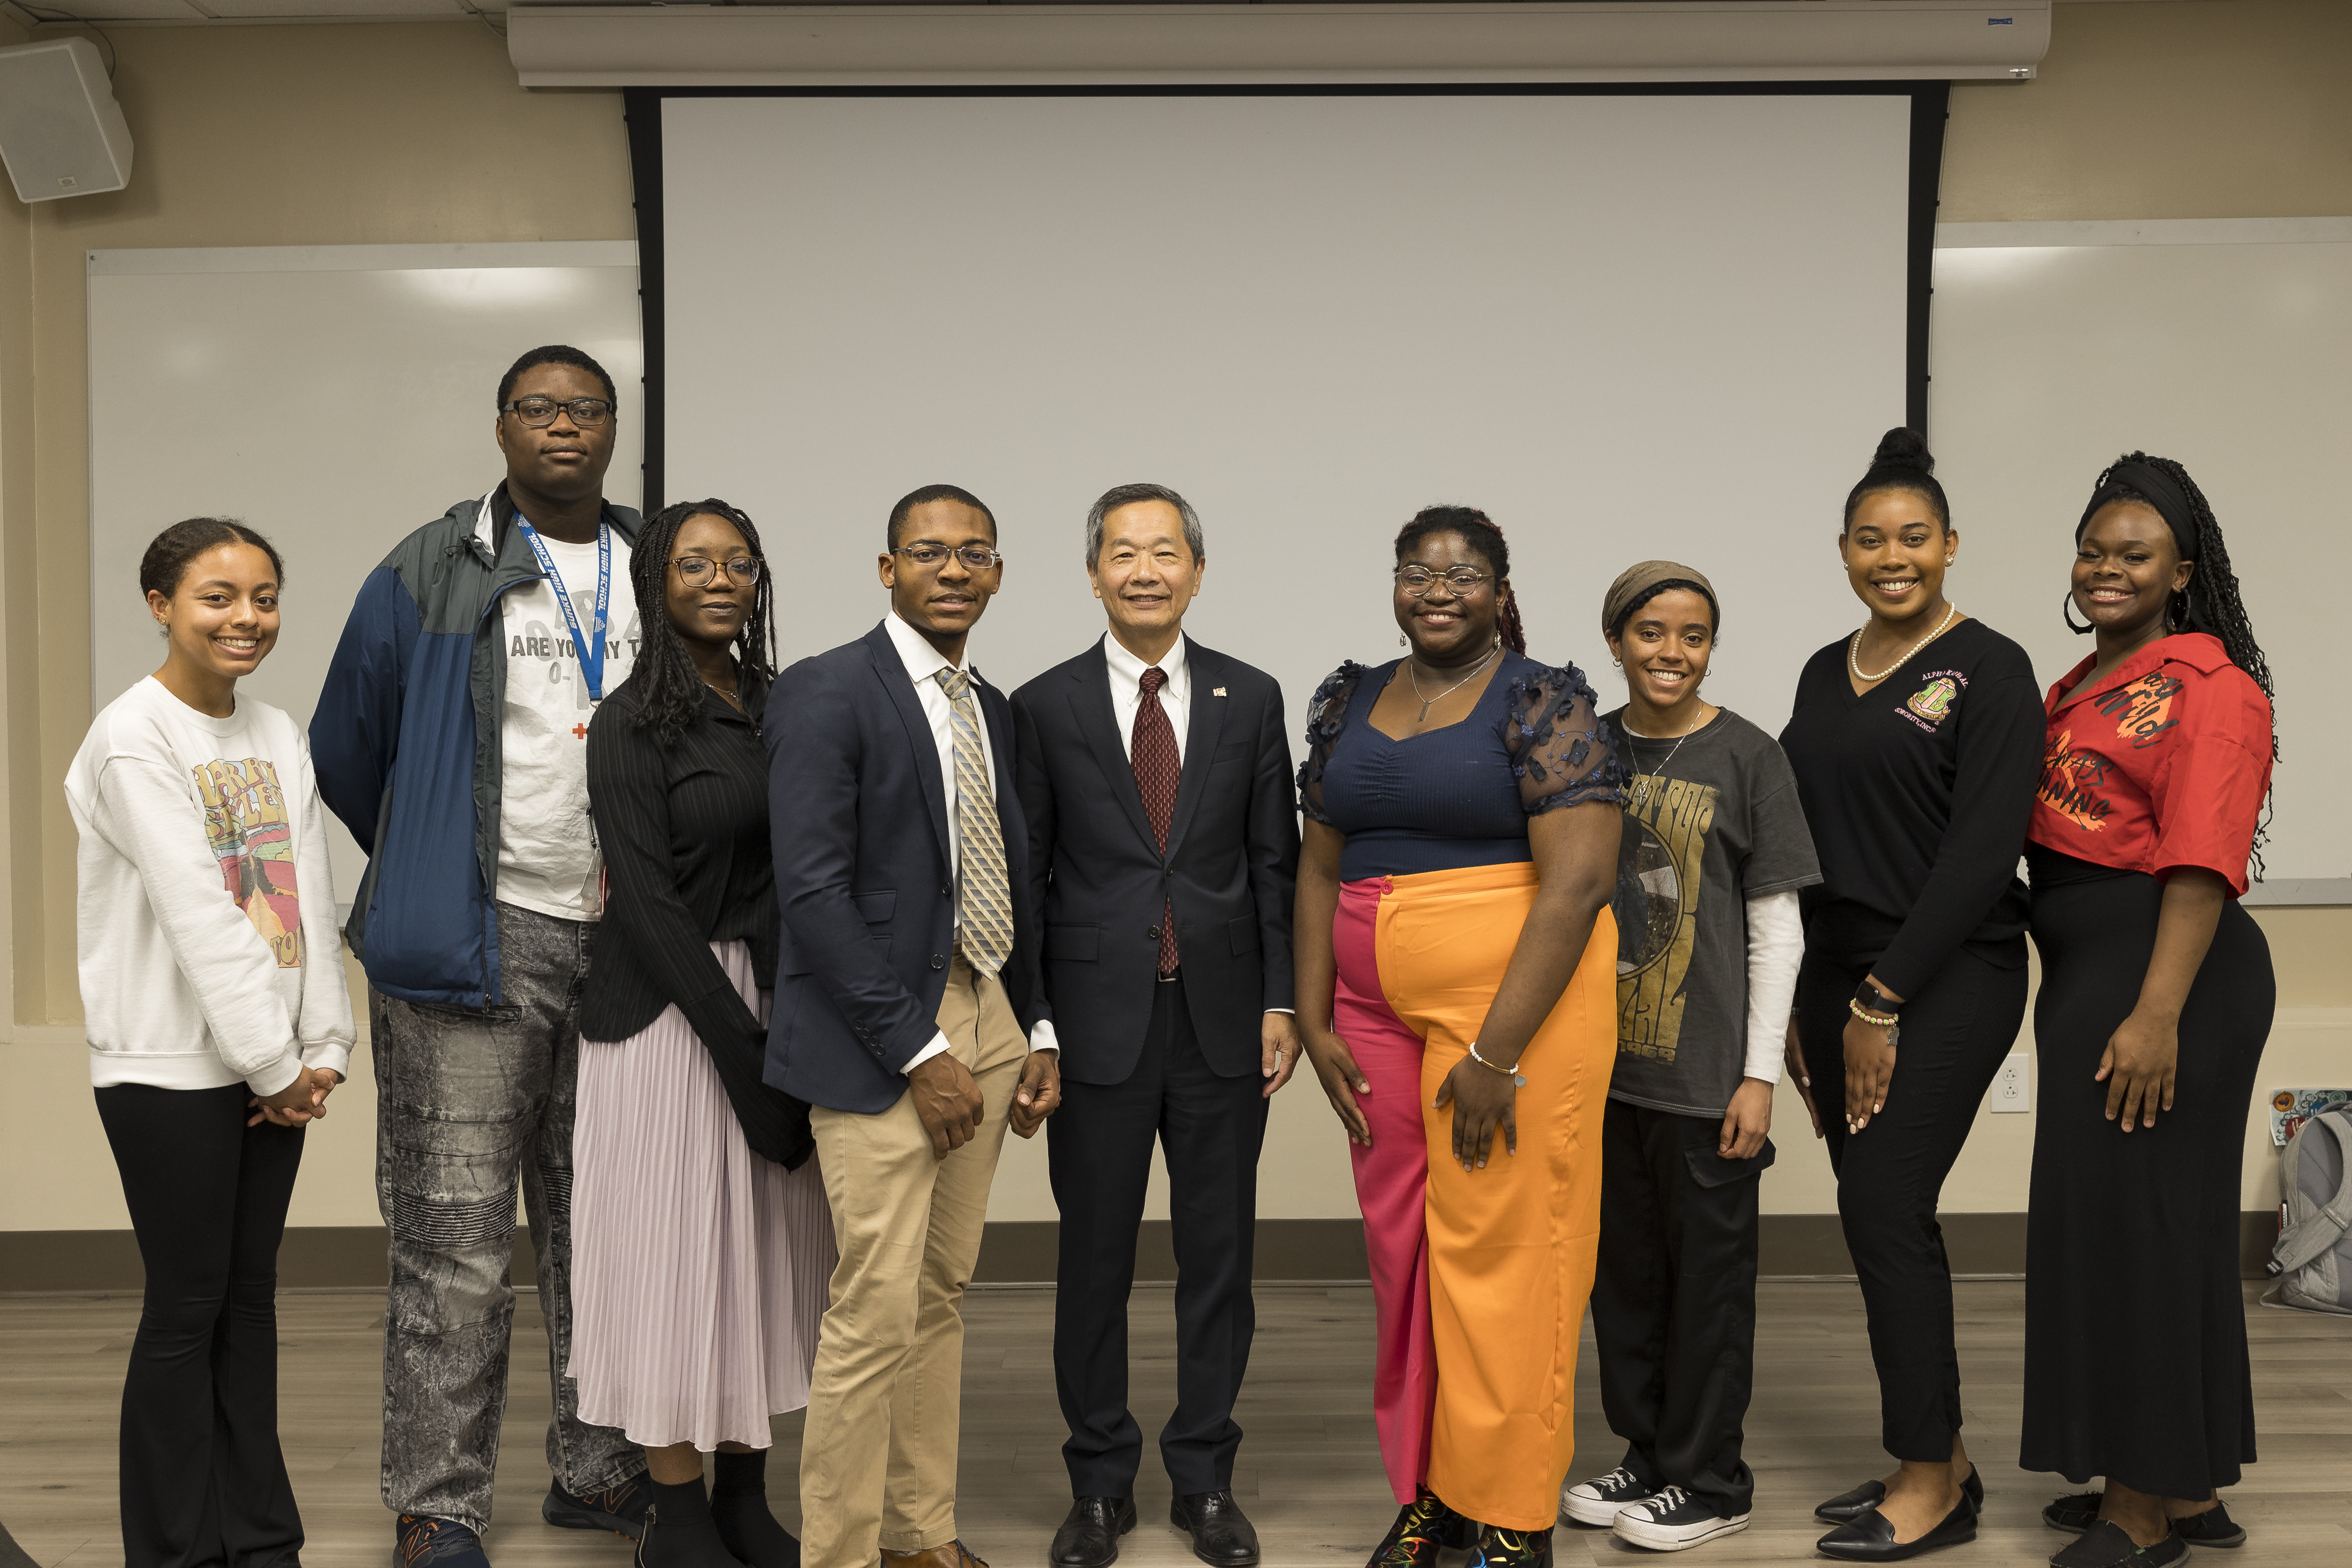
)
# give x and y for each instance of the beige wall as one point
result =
(417, 132)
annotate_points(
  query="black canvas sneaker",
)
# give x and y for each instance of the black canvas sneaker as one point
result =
(1673, 1520)
(1596, 1501)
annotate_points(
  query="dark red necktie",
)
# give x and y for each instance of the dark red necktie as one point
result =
(1158, 770)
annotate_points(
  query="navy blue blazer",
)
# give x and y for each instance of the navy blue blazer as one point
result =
(1099, 883)
(860, 833)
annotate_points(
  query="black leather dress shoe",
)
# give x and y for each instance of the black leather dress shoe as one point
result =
(1871, 1539)
(1089, 1536)
(1220, 1532)
(1870, 1494)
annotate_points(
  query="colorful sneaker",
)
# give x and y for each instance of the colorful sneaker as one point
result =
(422, 1543)
(1673, 1520)
(1596, 1501)
(619, 1509)
(1500, 1548)
(1421, 1527)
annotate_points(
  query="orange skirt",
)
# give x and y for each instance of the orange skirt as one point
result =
(1482, 1275)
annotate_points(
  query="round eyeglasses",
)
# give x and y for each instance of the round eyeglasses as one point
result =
(694, 571)
(539, 412)
(1417, 581)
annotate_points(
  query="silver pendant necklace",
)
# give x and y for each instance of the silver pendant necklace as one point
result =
(1641, 790)
(1457, 686)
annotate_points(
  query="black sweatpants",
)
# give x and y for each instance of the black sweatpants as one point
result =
(204, 1484)
(1098, 1151)
(1890, 1175)
(1674, 1300)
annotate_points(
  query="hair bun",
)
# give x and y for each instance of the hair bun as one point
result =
(1902, 447)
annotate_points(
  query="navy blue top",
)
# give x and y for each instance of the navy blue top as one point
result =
(1459, 795)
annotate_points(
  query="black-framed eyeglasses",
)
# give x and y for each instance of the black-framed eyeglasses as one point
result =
(539, 412)
(927, 555)
(694, 571)
(1417, 581)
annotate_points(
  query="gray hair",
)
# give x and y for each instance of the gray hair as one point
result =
(1119, 496)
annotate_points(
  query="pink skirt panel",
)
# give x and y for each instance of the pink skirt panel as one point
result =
(699, 1270)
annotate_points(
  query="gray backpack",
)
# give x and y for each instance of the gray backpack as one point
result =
(2312, 1262)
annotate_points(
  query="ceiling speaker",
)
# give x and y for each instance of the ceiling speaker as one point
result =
(61, 133)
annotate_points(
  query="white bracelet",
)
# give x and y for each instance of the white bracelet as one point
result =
(1518, 1079)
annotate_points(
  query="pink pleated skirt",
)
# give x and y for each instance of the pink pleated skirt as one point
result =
(699, 1270)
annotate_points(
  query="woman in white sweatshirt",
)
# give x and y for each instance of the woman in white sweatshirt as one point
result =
(219, 1019)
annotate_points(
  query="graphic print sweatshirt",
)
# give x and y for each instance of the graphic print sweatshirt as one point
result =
(206, 910)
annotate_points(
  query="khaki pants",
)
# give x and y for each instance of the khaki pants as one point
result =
(878, 1448)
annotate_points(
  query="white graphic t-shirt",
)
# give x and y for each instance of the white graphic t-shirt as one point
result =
(548, 860)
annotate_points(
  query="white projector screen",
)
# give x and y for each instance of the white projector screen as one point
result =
(1626, 326)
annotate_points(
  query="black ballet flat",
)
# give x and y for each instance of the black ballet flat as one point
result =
(1871, 1539)
(2106, 1545)
(1870, 1494)
(2214, 1527)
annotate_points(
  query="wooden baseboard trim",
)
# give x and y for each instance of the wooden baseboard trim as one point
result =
(1014, 1252)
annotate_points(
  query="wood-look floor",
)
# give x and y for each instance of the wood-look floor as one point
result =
(1309, 1471)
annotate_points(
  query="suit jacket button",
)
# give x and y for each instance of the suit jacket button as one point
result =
(946, 892)
(937, 961)
(1153, 933)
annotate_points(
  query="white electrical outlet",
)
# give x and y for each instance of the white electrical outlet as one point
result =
(2013, 1088)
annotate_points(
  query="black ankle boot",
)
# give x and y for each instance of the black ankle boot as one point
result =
(739, 1504)
(679, 1531)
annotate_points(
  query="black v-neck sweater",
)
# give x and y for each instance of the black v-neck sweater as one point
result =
(1917, 794)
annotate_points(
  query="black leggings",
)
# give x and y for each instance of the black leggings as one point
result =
(1955, 1032)
(204, 1484)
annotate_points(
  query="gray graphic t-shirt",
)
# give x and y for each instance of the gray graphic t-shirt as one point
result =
(1715, 827)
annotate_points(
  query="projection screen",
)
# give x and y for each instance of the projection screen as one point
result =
(1626, 325)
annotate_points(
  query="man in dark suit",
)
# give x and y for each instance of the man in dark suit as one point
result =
(907, 995)
(1155, 775)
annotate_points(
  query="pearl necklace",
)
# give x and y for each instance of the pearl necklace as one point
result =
(1853, 649)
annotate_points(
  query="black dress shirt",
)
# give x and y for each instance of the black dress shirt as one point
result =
(684, 830)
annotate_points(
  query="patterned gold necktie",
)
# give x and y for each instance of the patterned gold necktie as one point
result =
(984, 901)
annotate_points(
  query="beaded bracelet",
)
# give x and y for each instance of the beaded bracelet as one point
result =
(1876, 1020)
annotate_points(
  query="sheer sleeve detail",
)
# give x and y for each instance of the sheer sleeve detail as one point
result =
(1560, 751)
(1327, 717)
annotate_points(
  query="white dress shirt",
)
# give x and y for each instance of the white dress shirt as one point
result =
(1126, 692)
(923, 664)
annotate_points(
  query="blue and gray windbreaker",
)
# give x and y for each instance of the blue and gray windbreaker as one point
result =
(405, 745)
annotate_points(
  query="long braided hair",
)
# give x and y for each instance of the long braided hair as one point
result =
(670, 689)
(1479, 532)
(2211, 602)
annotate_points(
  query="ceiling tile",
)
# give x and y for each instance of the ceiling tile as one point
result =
(289, 9)
(120, 10)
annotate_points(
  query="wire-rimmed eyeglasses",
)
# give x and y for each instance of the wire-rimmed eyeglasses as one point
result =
(694, 571)
(929, 555)
(1417, 581)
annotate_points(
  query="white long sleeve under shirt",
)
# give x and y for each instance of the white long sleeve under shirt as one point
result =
(206, 910)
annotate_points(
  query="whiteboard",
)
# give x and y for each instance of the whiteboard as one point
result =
(2224, 343)
(334, 397)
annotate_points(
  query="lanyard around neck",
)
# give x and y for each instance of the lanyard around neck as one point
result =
(591, 650)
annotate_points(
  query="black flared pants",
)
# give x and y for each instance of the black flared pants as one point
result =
(203, 1481)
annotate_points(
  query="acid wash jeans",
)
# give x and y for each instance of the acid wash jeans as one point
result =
(470, 1101)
